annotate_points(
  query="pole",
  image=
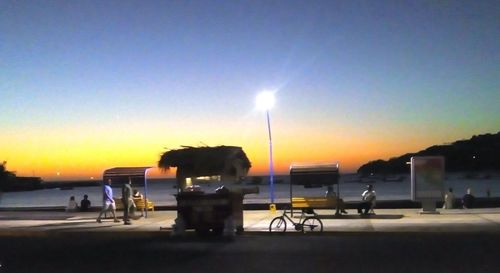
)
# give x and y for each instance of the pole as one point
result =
(146, 192)
(271, 169)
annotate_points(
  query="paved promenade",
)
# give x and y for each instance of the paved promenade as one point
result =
(13, 223)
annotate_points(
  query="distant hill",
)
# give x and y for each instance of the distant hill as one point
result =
(480, 153)
(10, 182)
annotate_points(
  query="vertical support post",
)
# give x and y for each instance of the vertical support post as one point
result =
(146, 192)
(291, 195)
(337, 211)
(271, 169)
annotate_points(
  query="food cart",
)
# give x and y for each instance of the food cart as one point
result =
(215, 212)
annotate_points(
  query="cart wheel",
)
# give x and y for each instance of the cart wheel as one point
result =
(277, 225)
(312, 224)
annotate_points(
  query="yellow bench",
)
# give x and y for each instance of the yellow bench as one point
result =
(313, 203)
(143, 204)
(139, 204)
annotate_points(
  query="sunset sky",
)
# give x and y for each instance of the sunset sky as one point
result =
(90, 85)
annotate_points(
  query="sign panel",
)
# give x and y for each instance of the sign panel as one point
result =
(427, 178)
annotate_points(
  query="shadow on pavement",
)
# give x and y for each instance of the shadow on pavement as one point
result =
(35, 217)
(357, 216)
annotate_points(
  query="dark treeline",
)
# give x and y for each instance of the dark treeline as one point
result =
(480, 153)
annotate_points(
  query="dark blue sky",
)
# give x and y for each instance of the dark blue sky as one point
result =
(407, 72)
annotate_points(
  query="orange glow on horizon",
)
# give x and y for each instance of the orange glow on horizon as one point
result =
(76, 155)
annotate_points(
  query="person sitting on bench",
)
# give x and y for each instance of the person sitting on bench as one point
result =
(331, 196)
(368, 200)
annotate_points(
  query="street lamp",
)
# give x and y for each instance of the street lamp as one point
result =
(265, 101)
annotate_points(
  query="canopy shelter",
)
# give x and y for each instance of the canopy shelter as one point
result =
(314, 175)
(121, 175)
(230, 162)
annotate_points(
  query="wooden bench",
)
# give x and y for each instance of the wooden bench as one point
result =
(143, 204)
(308, 204)
(313, 202)
(139, 204)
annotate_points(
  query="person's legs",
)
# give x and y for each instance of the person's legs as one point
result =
(367, 207)
(105, 208)
(342, 206)
(113, 211)
(126, 212)
(361, 206)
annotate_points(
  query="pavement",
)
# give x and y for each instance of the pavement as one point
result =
(484, 220)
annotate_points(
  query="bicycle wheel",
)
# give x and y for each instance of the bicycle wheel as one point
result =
(312, 224)
(278, 224)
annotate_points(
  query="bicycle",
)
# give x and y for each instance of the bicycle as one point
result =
(309, 224)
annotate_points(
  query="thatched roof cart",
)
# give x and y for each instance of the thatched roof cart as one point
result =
(230, 162)
(204, 212)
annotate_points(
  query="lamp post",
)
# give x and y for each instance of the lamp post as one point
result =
(265, 101)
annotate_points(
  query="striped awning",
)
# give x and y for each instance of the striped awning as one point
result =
(125, 172)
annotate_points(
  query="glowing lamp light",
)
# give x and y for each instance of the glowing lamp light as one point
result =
(265, 100)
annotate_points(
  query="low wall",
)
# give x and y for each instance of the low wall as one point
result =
(382, 204)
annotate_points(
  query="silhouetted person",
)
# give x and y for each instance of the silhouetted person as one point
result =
(368, 200)
(449, 199)
(85, 203)
(128, 202)
(108, 202)
(331, 196)
(468, 200)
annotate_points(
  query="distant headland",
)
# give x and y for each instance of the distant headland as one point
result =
(9, 181)
(479, 154)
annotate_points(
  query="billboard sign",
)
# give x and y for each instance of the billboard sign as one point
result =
(427, 178)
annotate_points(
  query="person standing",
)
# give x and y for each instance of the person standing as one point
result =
(128, 202)
(108, 202)
(449, 199)
(85, 203)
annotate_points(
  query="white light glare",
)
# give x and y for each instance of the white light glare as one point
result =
(265, 100)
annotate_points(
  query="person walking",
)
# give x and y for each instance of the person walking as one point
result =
(128, 202)
(108, 202)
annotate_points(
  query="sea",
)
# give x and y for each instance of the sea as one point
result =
(162, 191)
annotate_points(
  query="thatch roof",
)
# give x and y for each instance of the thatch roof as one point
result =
(206, 161)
